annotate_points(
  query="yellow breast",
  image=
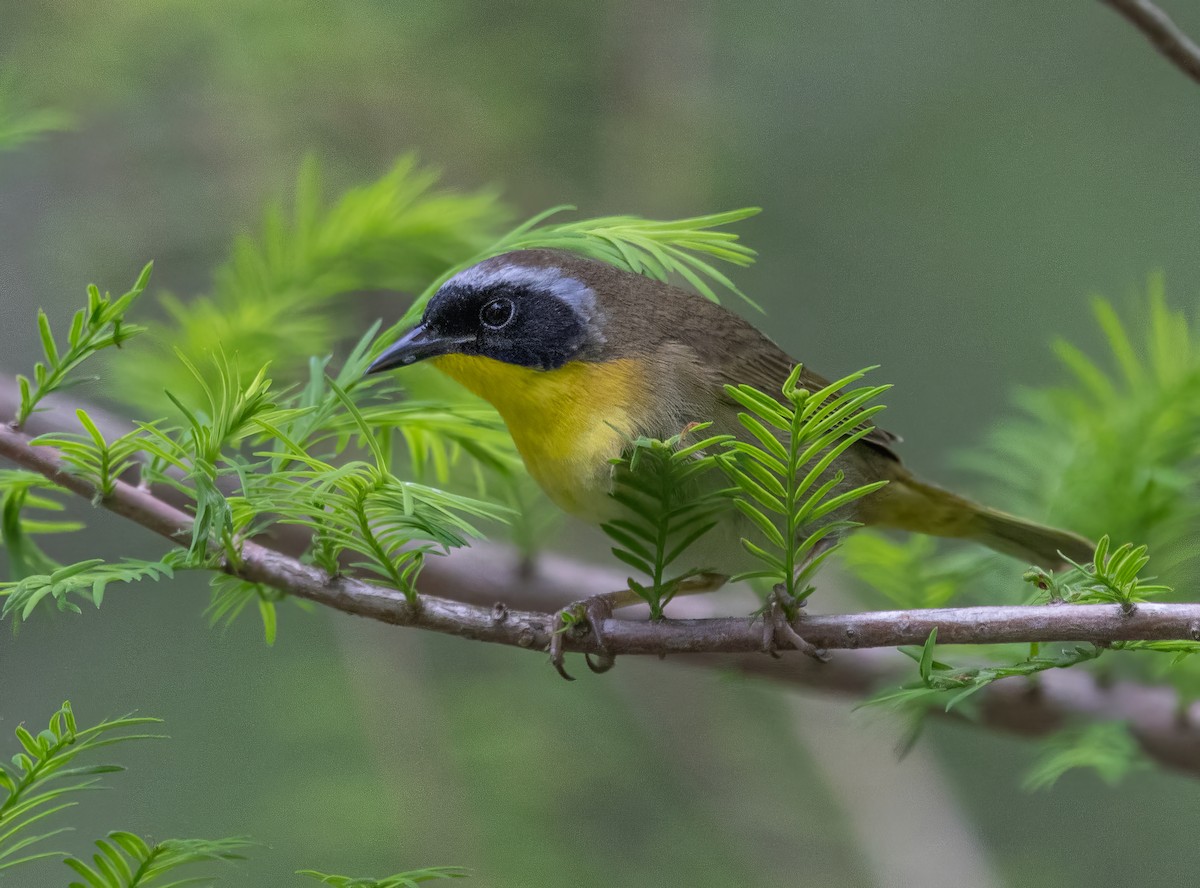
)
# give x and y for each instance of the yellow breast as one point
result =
(567, 423)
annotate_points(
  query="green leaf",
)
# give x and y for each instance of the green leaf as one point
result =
(48, 345)
(631, 543)
(771, 560)
(764, 436)
(633, 561)
(925, 664)
(762, 522)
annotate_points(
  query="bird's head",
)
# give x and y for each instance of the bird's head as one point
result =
(531, 309)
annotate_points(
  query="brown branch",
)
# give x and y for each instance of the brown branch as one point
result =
(1097, 623)
(486, 573)
(1166, 36)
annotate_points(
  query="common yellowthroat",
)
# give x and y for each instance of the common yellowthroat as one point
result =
(579, 357)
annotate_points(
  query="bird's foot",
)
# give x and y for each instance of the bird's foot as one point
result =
(577, 620)
(779, 614)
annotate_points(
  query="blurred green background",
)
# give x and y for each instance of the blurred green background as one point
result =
(944, 185)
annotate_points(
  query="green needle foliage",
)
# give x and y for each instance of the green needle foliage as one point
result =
(1112, 577)
(232, 413)
(44, 779)
(657, 249)
(102, 463)
(230, 596)
(1112, 450)
(362, 508)
(248, 457)
(21, 492)
(912, 572)
(341, 457)
(782, 484)
(20, 123)
(668, 506)
(783, 476)
(1105, 748)
(86, 579)
(947, 687)
(279, 298)
(357, 509)
(98, 326)
(436, 434)
(940, 684)
(126, 860)
(1108, 451)
(399, 880)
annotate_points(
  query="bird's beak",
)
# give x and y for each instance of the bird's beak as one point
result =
(417, 344)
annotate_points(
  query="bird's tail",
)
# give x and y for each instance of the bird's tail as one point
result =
(909, 504)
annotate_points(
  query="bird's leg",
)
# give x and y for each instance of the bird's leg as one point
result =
(582, 617)
(777, 624)
(589, 615)
(782, 610)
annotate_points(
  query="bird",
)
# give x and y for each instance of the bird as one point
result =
(580, 357)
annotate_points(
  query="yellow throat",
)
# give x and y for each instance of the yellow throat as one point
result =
(567, 423)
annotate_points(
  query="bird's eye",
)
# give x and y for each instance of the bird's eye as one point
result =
(496, 313)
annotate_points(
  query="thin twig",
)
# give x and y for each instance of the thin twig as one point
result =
(1163, 33)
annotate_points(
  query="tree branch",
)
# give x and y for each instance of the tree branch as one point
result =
(1166, 36)
(1099, 623)
(459, 591)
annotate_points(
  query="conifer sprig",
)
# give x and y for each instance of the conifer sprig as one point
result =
(85, 579)
(941, 684)
(1113, 576)
(400, 880)
(43, 778)
(783, 479)
(282, 295)
(20, 122)
(126, 860)
(789, 490)
(1106, 748)
(100, 325)
(47, 777)
(90, 456)
(20, 494)
(1112, 450)
(668, 507)
(356, 508)
(651, 247)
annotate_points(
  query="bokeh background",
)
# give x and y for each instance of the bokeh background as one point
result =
(944, 186)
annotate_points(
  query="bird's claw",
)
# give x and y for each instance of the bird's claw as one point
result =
(776, 626)
(578, 619)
